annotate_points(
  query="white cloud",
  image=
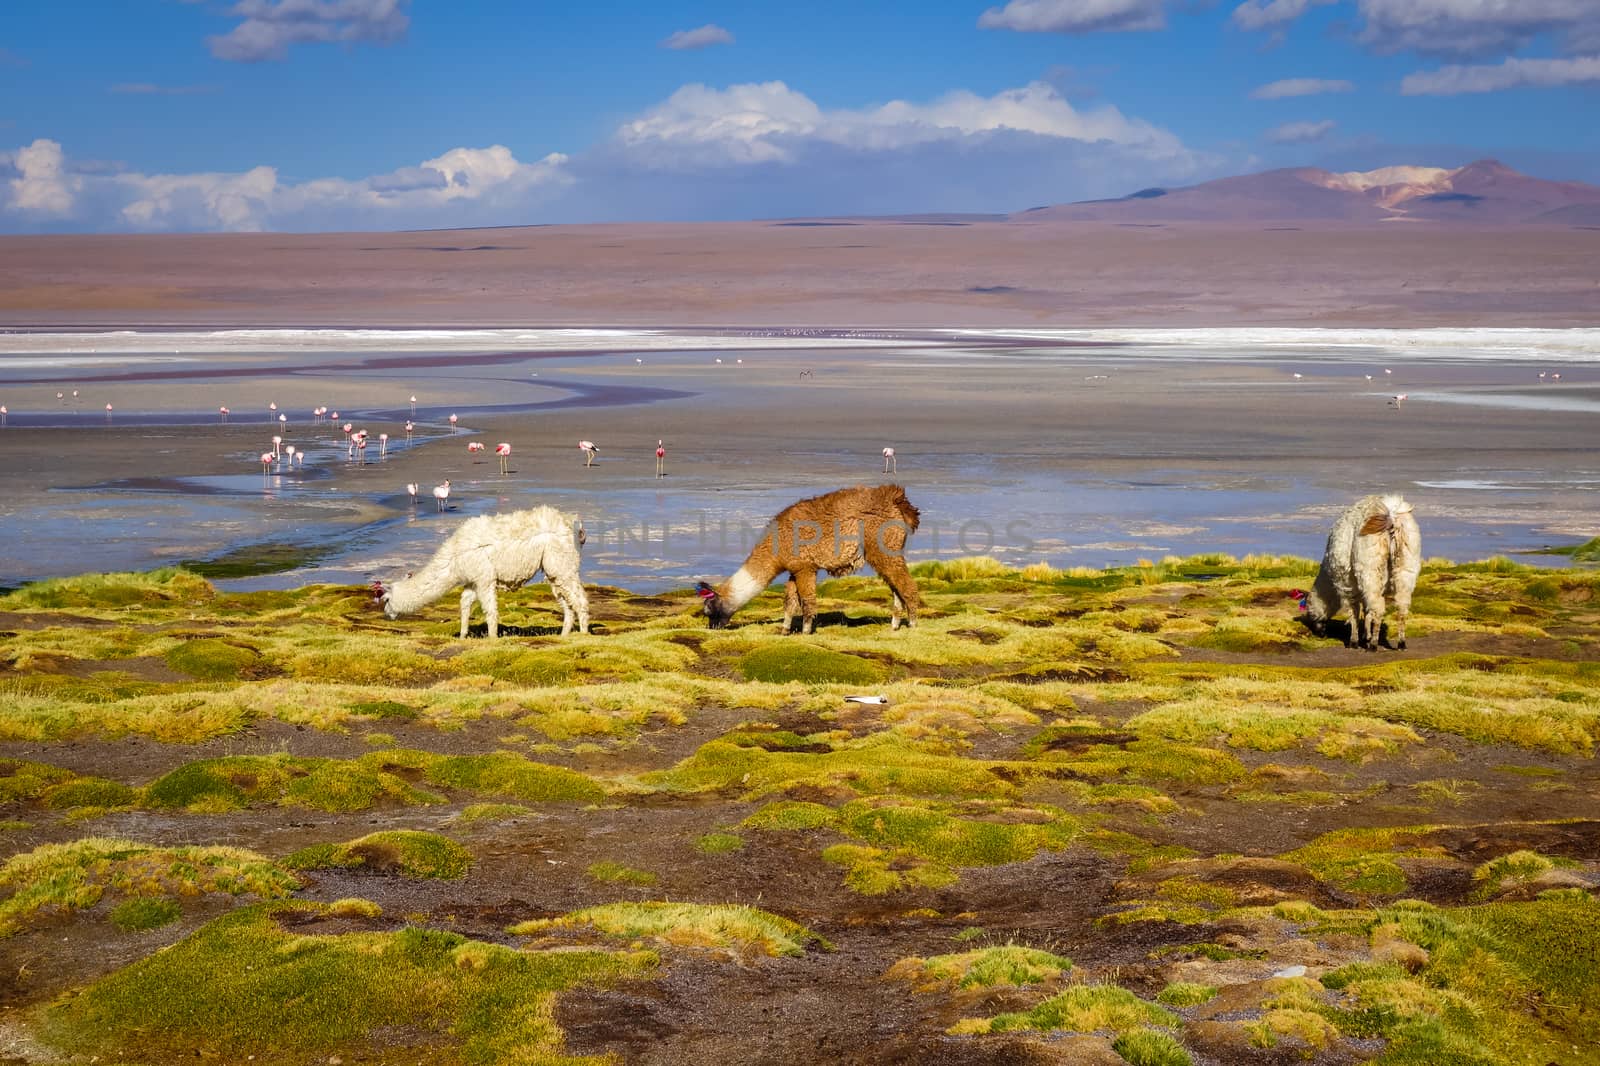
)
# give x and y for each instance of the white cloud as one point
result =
(1271, 14)
(271, 26)
(770, 122)
(1511, 74)
(42, 185)
(462, 186)
(1467, 28)
(1279, 90)
(1300, 132)
(700, 37)
(1075, 16)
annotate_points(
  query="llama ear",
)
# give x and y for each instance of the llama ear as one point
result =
(583, 535)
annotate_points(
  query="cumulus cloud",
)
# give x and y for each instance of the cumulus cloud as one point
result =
(770, 122)
(271, 26)
(1271, 14)
(1511, 74)
(42, 185)
(1075, 16)
(700, 37)
(466, 186)
(1279, 90)
(1470, 28)
(1300, 132)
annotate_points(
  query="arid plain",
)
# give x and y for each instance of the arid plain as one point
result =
(939, 271)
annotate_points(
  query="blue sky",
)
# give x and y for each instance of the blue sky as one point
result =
(136, 115)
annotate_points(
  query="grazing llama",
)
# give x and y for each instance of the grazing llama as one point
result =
(834, 533)
(1374, 551)
(502, 551)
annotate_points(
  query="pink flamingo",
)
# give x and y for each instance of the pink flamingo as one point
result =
(223, 411)
(3, 414)
(288, 454)
(283, 420)
(1556, 376)
(61, 398)
(589, 450)
(452, 421)
(108, 412)
(383, 445)
(473, 448)
(409, 427)
(441, 493)
(503, 450)
(266, 463)
(413, 407)
(300, 457)
(359, 440)
(411, 487)
(334, 415)
(1397, 401)
(276, 441)
(272, 409)
(661, 458)
(889, 466)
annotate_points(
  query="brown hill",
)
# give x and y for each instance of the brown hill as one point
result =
(1482, 193)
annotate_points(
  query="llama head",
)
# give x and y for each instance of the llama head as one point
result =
(714, 606)
(579, 533)
(380, 596)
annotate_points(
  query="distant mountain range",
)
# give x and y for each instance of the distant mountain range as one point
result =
(1482, 193)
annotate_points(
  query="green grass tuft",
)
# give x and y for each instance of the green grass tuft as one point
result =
(1151, 1047)
(719, 843)
(808, 664)
(213, 660)
(1087, 1009)
(409, 852)
(139, 913)
(1010, 964)
(615, 873)
(243, 987)
(55, 879)
(1185, 994)
(698, 925)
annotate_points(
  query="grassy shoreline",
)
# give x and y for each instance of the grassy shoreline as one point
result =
(1236, 797)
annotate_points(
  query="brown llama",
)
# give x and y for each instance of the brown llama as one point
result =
(835, 533)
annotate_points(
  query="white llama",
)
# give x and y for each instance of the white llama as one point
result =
(503, 551)
(1373, 552)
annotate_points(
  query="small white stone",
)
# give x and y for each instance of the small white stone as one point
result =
(1291, 971)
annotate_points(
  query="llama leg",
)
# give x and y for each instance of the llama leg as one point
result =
(491, 608)
(1405, 583)
(574, 603)
(805, 582)
(902, 586)
(467, 596)
(791, 604)
(1373, 610)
